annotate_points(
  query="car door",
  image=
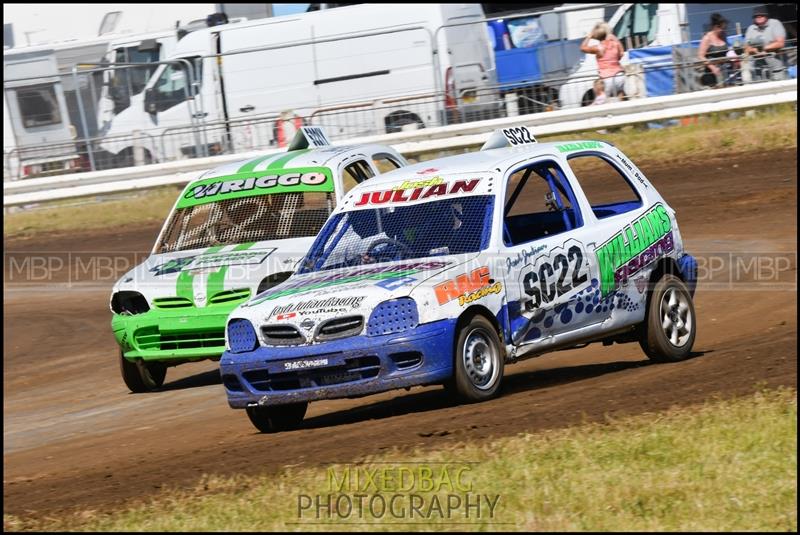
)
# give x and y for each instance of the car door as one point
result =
(550, 273)
(626, 231)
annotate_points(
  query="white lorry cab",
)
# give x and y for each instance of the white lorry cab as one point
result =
(355, 70)
(126, 79)
(122, 83)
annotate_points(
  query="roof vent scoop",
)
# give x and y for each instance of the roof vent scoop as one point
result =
(509, 137)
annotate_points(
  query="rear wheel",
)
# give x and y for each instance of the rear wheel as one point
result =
(479, 359)
(141, 376)
(277, 418)
(670, 325)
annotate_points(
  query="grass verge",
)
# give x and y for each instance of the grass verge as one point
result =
(725, 465)
(139, 208)
(716, 134)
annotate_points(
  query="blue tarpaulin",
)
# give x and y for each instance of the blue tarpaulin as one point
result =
(659, 76)
(517, 65)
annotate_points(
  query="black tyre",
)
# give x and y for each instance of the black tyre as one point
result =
(277, 418)
(125, 159)
(396, 122)
(587, 98)
(670, 325)
(479, 360)
(141, 376)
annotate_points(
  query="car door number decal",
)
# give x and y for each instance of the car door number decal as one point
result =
(551, 279)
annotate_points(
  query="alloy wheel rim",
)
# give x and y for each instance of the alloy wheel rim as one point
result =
(676, 317)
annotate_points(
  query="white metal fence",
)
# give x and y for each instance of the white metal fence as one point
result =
(412, 143)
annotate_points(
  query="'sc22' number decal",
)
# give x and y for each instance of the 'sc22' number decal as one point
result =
(542, 286)
(518, 136)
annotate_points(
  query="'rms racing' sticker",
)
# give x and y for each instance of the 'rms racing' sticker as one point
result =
(213, 260)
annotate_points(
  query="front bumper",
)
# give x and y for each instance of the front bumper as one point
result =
(350, 367)
(173, 335)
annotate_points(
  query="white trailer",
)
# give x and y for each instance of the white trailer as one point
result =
(35, 114)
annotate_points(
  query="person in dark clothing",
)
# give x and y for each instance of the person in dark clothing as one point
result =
(715, 54)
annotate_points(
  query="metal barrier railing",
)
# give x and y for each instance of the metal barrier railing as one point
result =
(202, 137)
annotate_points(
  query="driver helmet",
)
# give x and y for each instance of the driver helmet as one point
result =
(457, 213)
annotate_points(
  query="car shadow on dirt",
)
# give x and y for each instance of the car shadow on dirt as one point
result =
(439, 399)
(512, 383)
(209, 378)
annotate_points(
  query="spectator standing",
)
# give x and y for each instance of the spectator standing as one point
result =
(763, 41)
(604, 44)
(714, 53)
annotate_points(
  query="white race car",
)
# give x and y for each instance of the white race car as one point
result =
(444, 271)
(234, 232)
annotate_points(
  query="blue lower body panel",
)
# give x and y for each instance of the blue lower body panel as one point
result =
(688, 266)
(350, 367)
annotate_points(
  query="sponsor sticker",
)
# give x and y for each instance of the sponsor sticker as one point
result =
(467, 288)
(199, 263)
(331, 305)
(634, 247)
(413, 190)
(252, 183)
(298, 285)
(304, 364)
(579, 145)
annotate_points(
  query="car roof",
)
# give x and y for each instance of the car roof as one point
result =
(320, 157)
(491, 160)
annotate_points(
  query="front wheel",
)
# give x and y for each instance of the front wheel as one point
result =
(141, 376)
(479, 360)
(670, 324)
(278, 417)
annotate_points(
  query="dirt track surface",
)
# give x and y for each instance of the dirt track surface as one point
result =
(75, 438)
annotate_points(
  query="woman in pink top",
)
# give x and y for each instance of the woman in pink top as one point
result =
(608, 49)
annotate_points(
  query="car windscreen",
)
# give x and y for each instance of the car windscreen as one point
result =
(445, 227)
(278, 216)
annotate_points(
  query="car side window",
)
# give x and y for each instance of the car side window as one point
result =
(608, 190)
(385, 162)
(356, 173)
(539, 203)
